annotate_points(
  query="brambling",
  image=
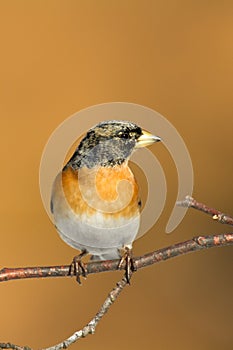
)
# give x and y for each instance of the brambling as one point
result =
(95, 201)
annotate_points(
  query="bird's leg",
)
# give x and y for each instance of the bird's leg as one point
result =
(77, 267)
(127, 259)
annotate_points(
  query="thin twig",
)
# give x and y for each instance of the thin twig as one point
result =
(217, 215)
(85, 331)
(91, 326)
(13, 346)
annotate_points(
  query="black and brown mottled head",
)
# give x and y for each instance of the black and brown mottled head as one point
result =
(109, 143)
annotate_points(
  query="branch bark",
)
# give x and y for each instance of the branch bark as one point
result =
(192, 245)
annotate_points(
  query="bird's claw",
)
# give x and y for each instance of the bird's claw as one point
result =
(130, 266)
(77, 267)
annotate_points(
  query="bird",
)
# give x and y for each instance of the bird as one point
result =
(95, 199)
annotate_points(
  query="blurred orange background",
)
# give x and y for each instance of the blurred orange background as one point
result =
(58, 57)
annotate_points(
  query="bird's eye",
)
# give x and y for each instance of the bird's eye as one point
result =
(124, 135)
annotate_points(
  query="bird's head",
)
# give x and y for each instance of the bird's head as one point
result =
(110, 143)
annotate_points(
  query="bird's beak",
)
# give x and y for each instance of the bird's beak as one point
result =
(146, 139)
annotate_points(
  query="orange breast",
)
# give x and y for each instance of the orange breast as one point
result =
(112, 191)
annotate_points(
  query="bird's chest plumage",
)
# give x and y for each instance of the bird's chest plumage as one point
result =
(96, 208)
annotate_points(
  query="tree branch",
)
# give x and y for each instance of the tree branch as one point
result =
(217, 215)
(85, 331)
(192, 245)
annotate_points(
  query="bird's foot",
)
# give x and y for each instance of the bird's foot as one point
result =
(127, 259)
(77, 267)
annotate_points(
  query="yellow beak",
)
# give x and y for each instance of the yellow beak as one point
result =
(146, 139)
